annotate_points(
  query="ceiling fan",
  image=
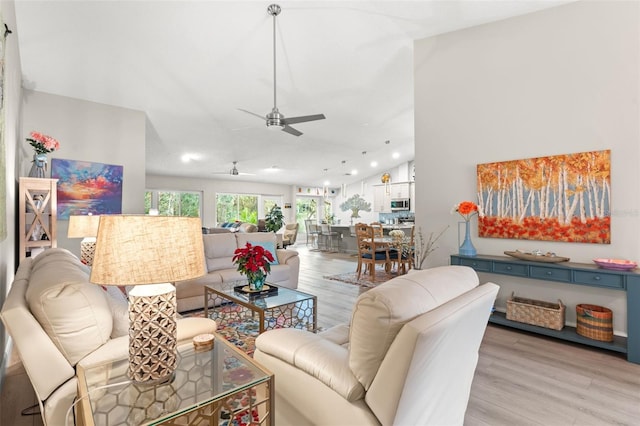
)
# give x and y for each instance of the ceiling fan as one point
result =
(275, 118)
(234, 171)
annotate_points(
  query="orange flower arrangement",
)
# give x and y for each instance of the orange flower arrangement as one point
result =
(466, 209)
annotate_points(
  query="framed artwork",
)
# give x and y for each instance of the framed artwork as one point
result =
(558, 198)
(85, 187)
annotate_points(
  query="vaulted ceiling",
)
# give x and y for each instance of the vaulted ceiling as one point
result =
(191, 65)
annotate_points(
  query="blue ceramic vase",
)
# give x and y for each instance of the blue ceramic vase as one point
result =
(467, 248)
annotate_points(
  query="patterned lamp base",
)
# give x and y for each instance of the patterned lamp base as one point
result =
(152, 333)
(87, 249)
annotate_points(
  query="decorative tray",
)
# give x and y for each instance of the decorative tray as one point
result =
(616, 264)
(267, 290)
(535, 257)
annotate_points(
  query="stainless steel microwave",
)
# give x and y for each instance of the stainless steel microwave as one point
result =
(399, 204)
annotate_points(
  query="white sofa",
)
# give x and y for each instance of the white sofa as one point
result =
(408, 356)
(219, 250)
(57, 319)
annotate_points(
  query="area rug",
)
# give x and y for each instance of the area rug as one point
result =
(381, 276)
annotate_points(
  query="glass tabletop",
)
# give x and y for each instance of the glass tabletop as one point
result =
(201, 377)
(284, 296)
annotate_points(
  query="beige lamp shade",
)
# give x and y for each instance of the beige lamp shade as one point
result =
(156, 250)
(140, 249)
(83, 226)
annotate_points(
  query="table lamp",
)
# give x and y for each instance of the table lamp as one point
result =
(85, 227)
(149, 252)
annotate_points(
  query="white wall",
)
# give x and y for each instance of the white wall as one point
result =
(12, 94)
(209, 188)
(558, 81)
(88, 131)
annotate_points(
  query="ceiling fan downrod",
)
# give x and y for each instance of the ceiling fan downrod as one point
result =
(274, 10)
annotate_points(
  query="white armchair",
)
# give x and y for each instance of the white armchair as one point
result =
(407, 358)
(290, 234)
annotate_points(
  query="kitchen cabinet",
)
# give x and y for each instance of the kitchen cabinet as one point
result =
(381, 199)
(399, 190)
(412, 197)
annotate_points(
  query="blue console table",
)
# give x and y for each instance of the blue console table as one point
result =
(570, 273)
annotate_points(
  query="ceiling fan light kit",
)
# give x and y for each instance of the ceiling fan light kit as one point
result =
(274, 119)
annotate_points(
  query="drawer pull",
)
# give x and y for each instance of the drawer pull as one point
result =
(549, 273)
(597, 278)
(474, 264)
(508, 268)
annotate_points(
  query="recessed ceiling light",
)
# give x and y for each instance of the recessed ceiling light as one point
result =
(374, 164)
(354, 172)
(188, 157)
(272, 169)
(327, 183)
(395, 155)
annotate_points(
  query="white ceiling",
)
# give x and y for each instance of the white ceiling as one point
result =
(189, 65)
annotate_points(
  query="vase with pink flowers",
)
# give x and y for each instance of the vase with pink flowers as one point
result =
(42, 144)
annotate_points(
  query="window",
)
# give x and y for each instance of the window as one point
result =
(244, 207)
(173, 203)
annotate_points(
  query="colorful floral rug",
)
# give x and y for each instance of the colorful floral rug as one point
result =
(381, 276)
(241, 333)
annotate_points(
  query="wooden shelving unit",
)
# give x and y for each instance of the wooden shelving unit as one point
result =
(37, 210)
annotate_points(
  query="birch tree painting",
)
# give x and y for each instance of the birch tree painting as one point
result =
(558, 198)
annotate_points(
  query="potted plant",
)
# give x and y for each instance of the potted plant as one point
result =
(274, 220)
(254, 262)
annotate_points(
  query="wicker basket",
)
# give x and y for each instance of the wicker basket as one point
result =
(594, 322)
(536, 312)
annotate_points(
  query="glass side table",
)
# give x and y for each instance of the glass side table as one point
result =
(221, 386)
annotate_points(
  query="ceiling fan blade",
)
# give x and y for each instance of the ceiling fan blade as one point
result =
(302, 119)
(291, 131)
(252, 113)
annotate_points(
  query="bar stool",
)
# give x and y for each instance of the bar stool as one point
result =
(329, 237)
(313, 232)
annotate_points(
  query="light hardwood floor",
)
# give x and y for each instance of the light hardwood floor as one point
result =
(521, 379)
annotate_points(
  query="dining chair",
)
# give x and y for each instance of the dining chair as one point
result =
(405, 252)
(378, 230)
(370, 252)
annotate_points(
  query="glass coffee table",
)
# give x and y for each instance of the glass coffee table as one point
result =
(286, 308)
(220, 386)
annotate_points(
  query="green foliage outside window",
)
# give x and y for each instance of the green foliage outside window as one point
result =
(232, 207)
(173, 203)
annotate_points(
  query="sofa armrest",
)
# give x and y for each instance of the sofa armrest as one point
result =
(318, 357)
(114, 349)
(285, 257)
(45, 365)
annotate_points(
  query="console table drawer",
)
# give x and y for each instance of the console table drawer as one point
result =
(511, 269)
(477, 264)
(598, 279)
(544, 273)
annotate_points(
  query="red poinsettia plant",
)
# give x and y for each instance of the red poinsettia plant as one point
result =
(253, 261)
(466, 209)
(42, 143)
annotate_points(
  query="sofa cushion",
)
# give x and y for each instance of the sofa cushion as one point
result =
(269, 246)
(74, 313)
(256, 238)
(219, 250)
(380, 313)
(119, 305)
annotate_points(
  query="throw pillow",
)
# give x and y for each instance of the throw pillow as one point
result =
(267, 245)
(119, 305)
